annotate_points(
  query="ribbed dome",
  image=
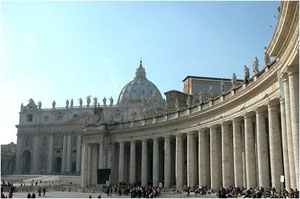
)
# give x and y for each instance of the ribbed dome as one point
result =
(139, 88)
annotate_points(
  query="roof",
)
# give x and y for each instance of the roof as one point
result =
(210, 78)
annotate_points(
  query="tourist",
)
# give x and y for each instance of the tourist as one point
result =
(99, 196)
(28, 195)
(33, 195)
(90, 196)
(40, 192)
(44, 191)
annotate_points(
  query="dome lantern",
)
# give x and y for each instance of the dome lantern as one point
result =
(140, 71)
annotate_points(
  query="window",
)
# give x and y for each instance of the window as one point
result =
(46, 118)
(29, 117)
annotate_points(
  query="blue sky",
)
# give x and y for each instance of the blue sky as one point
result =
(63, 50)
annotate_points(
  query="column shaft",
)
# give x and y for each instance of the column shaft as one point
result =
(84, 169)
(78, 153)
(203, 158)
(69, 147)
(179, 161)
(50, 155)
(237, 154)
(64, 151)
(155, 162)
(285, 146)
(191, 159)
(215, 162)
(132, 162)
(144, 163)
(101, 164)
(167, 168)
(262, 150)
(227, 156)
(121, 162)
(35, 154)
(18, 169)
(275, 146)
(294, 104)
(289, 133)
(250, 153)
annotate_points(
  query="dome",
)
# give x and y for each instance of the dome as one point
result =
(139, 88)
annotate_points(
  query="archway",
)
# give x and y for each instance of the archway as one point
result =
(58, 165)
(26, 162)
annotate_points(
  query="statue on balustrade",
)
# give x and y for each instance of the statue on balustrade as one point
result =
(200, 98)
(176, 104)
(67, 104)
(53, 104)
(22, 106)
(267, 57)
(222, 87)
(211, 92)
(111, 100)
(80, 102)
(246, 74)
(88, 100)
(104, 101)
(95, 101)
(255, 66)
(189, 101)
(40, 104)
(233, 80)
(71, 105)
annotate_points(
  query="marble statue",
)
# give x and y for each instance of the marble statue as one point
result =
(22, 106)
(40, 104)
(111, 101)
(200, 98)
(95, 101)
(88, 100)
(255, 66)
(104, 102)
(30, 101)
(144, 113)
(176, 104)
(189, 101)
(53, 104)
(133, 114)
(246, 73)
(267, 57)
(80, 102)
(222, 87)
(71, 105)
(67, 104)
(211, 92)
(233, 80)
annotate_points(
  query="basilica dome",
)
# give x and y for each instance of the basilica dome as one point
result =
(139, 89)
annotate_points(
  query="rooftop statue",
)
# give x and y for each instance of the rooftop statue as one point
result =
(222, 87)
(88, 100)
(30, 101)
(176, 104)
(233, 80)
(53, 104)
(80, 102)
(200, 98)
(144, 113)
(246, 74)
(133, 114)
(95, 101)
(267, 57)
(40, 104)
(104, 102)
(255, 66)
(71, 106)
(211, 92)
(189, 101)
(111, 100)
(22, 106)
(67, 103)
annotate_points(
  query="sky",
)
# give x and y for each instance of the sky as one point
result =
(63, 50)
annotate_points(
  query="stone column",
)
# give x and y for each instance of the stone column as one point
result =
(285, 146)
(155, 161)
(144, 163)
(132, 162)
(262, 149)
(35, 154)
(179, 161)
(237, 153)
(275, 146)
(289, 132)
(214, 159)
(64, 151)
(167, 168)
(78, 153)
(121, 162)
(69, 151)
(84, 169)
(20, 143)
(293, 76)
(191, 158)
(101, 163)
(227, 156)
(250, 152)
(203, 157)
(50, 155)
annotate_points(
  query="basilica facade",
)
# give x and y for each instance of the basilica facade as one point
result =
(218, 132)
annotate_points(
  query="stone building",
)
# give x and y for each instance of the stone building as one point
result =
(8, 158)
(244, 134)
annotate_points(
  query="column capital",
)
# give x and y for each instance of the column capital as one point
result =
(155, 139)
(272, 104)
(167, 137)
(213, 127)
(261, 109)
(225, 123)
(248, 115)
(132, 141)
(292, 70)
(237, 120)
(179, 135)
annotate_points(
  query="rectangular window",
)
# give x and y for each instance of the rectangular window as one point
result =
(29, 117)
